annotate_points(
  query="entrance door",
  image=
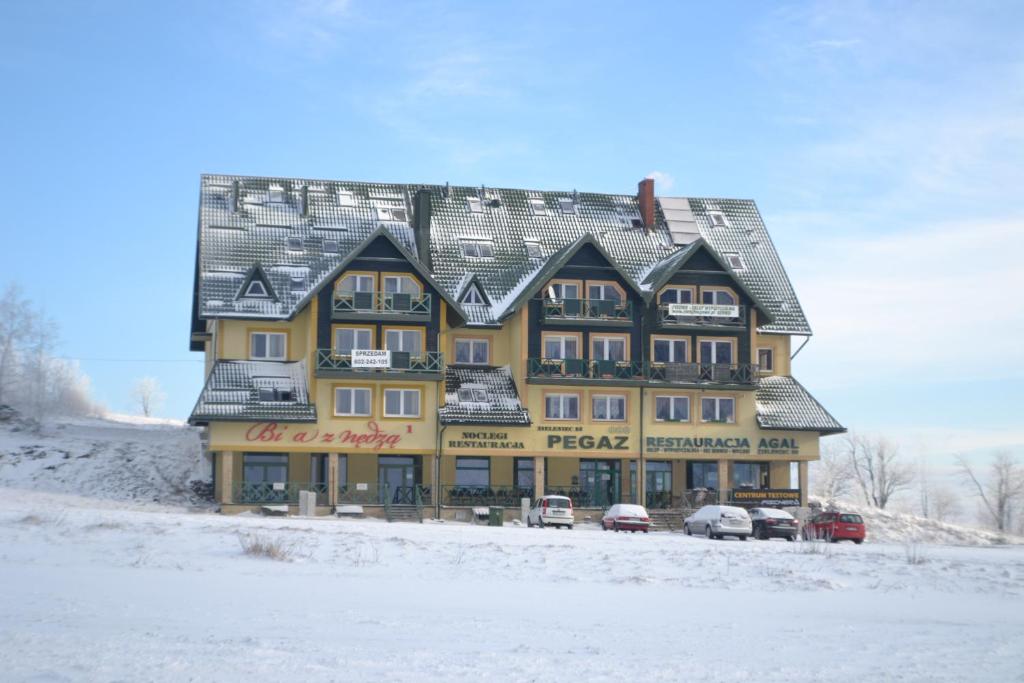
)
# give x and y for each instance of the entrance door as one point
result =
(601, 483)
(397, 477)
(659, 484)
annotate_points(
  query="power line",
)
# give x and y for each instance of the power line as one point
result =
(133, 360)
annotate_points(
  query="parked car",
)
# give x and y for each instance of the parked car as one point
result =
(718, 521)
(835, 526)
(551, 511)
(625, 517)
(771, 523)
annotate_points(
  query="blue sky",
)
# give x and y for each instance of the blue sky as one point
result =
(883, 142)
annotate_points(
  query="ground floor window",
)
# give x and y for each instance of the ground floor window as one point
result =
(702, 475)
(750, 475)
(342, 470)
(318, 469)
(524, 473)
(472, 472)
(264, 468)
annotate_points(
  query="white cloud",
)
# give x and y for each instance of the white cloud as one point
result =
(663, 182)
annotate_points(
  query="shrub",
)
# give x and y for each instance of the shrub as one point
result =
(257, 545)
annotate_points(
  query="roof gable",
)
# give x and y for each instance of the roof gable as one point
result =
(256, 285)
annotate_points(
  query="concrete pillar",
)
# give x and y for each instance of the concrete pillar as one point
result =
(802, 467)
(724, 485)
(538, 477)
(225, 461)
(332, 479)
(641, 480)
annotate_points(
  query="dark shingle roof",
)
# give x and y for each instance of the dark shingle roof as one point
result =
(239, 226)
(783, 403)
(502, 406)
(232, 392)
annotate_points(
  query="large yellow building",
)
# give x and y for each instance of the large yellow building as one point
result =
(424, 350)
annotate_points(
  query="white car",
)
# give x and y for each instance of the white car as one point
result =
(625, 517)
(551, 511)
(718, 521)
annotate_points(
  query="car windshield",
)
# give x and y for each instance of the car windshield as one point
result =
(558, 502)
(851, 519)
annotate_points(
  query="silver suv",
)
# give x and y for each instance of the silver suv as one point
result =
(718, 521)
(551, 511)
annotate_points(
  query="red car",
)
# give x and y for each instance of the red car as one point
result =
(625, 517)
(835, 527)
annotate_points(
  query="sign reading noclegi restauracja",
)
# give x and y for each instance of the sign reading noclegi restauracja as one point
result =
(485, 440)
(731, 445)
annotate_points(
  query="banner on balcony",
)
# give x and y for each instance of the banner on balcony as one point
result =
(370, 358)
(704, 310)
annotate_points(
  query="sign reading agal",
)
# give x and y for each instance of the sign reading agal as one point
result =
(704, 310)
(736, 445)
(370, 358)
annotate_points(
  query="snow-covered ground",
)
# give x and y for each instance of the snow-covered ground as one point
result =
(107, 574)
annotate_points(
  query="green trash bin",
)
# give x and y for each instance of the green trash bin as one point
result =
(496, 517)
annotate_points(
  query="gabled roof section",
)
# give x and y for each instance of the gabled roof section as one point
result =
(663, 272)
(252, 391)
(473, 282)
(502, 406)
(259, 277)
(783, 403)
(551, 268)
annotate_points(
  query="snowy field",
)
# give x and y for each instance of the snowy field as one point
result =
(120, 592)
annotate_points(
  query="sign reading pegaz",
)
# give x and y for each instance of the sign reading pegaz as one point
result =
(586, 442)
(735, 445)
(374, 437)
(704, 310)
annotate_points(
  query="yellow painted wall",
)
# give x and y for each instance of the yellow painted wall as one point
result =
(233, 342)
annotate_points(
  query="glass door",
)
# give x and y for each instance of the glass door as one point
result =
(659, 484)
(397, 477)
(601, 483)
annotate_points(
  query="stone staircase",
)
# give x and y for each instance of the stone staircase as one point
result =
(669, 519)
(404, 513)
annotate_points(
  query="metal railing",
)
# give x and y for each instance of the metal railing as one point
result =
(682, 373)
(700, 320)
(587, 309)
(401, 362)
(391, 303)
(478, 496)
(275, 493)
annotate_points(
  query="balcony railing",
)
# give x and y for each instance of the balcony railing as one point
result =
(607, 310)
(388, 303)
(431, 362)
(275, 493)
(701, 321)
(479, 496)
(682, 373)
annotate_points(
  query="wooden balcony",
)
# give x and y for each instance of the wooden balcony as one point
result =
(590, 311)
(428, 366)
(666, 319)
(580, 370)
(382, 306)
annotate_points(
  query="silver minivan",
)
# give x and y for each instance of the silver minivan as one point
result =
(718, 521)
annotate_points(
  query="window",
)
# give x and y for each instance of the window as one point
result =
(607, 292)
(561, 346)
(672, 408)
(608, 348)
(472, 471)
(629, 219)
(533, 250)
(676, 295)
(750, 475)
(256, 288)
(264, 468)
(524, 473)
(472, 351)
(669, 350)
(766, 360)
(401, 284)
(297, 284)
(562, 407)
(702, 475)
(356, 283)
(735, 261)
(271, 394)
(716, 352)
(275, 194)
(352, 401)
(473, 393)
(294, 244)
(473, 296)
(474, 205)
(717, 296)
(718, 219)
(718, 409)
(401, 403)
(409, 341)
(537, 206)
(391, 212)
(330, 246)
(563, 290)
(608, 408)
(348, 338)
(346, 198)
(477, 248)
(268, 345)
(567, 205)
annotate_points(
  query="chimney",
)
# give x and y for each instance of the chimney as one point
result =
(645, 196)
(421, 226)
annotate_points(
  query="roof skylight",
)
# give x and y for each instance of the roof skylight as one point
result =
(476, 248)
(275, 194)
(718, 219)
(537, 206)
(474, 205)
(330, 246)
(391, 213)
(294, 244)
(533, 250)
(567, 205)
(346, 198)
(469, 393)
(735, 261)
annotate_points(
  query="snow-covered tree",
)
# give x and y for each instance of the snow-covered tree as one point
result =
(877, 468)
(1001, 492)
(831, 476)
(148, 394)
(17, 322)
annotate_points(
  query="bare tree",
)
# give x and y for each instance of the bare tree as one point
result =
(148, 394)
(831, 476)
(17, 322)
(877, 468)
(1001, 492)
(945, 504)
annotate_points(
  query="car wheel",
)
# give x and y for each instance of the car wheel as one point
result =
(615, 527)
(645, 531)
(791, 538)
(540, 522)
(686, 530)
(632, 531)
(707, 531)
(742, 538)
(858, 541)
(529, 522)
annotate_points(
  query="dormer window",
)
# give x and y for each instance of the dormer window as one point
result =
(473, 296)
(472, 393)
(276, 395)
(533, 250)
(275, 194)
(256, 288)
(330, 246)
(346, 198)
(567, 205)
(396, 214)
(474, 248)
(294, 244)
(735, 262)
(474, 204)
(537, 206)
(718, 219)
(297, 284)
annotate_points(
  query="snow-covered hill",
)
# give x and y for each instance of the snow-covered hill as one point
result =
(118, 458)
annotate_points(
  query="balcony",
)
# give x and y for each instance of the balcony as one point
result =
(382, 306)
(666, 319)
(579, 370)
(591, 311)
(429, 366)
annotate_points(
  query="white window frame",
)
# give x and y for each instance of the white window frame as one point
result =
(718, 219)
(359, 278)
(714, 351)
(567, 205)
(400, 279)
(473, 296)
(275, 194)
(473, 393)
(561, 344)
(401, 340)
(770, 367)
(390, 213)
(538, 207)
(356, 332)
(685, 341)
(563, 401)
(605, 287)
(604, 340)
(346, 198)
(734, 260)
(352, 401)
(265, 294)
(607, 399)
(718, 400)
(559, 294)
(672, 398)
(401, 402)
(473, 343)
(474, 204)
(478, 245)
(677, 291)
(715, 294)
(268, 335)
(531, 245)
